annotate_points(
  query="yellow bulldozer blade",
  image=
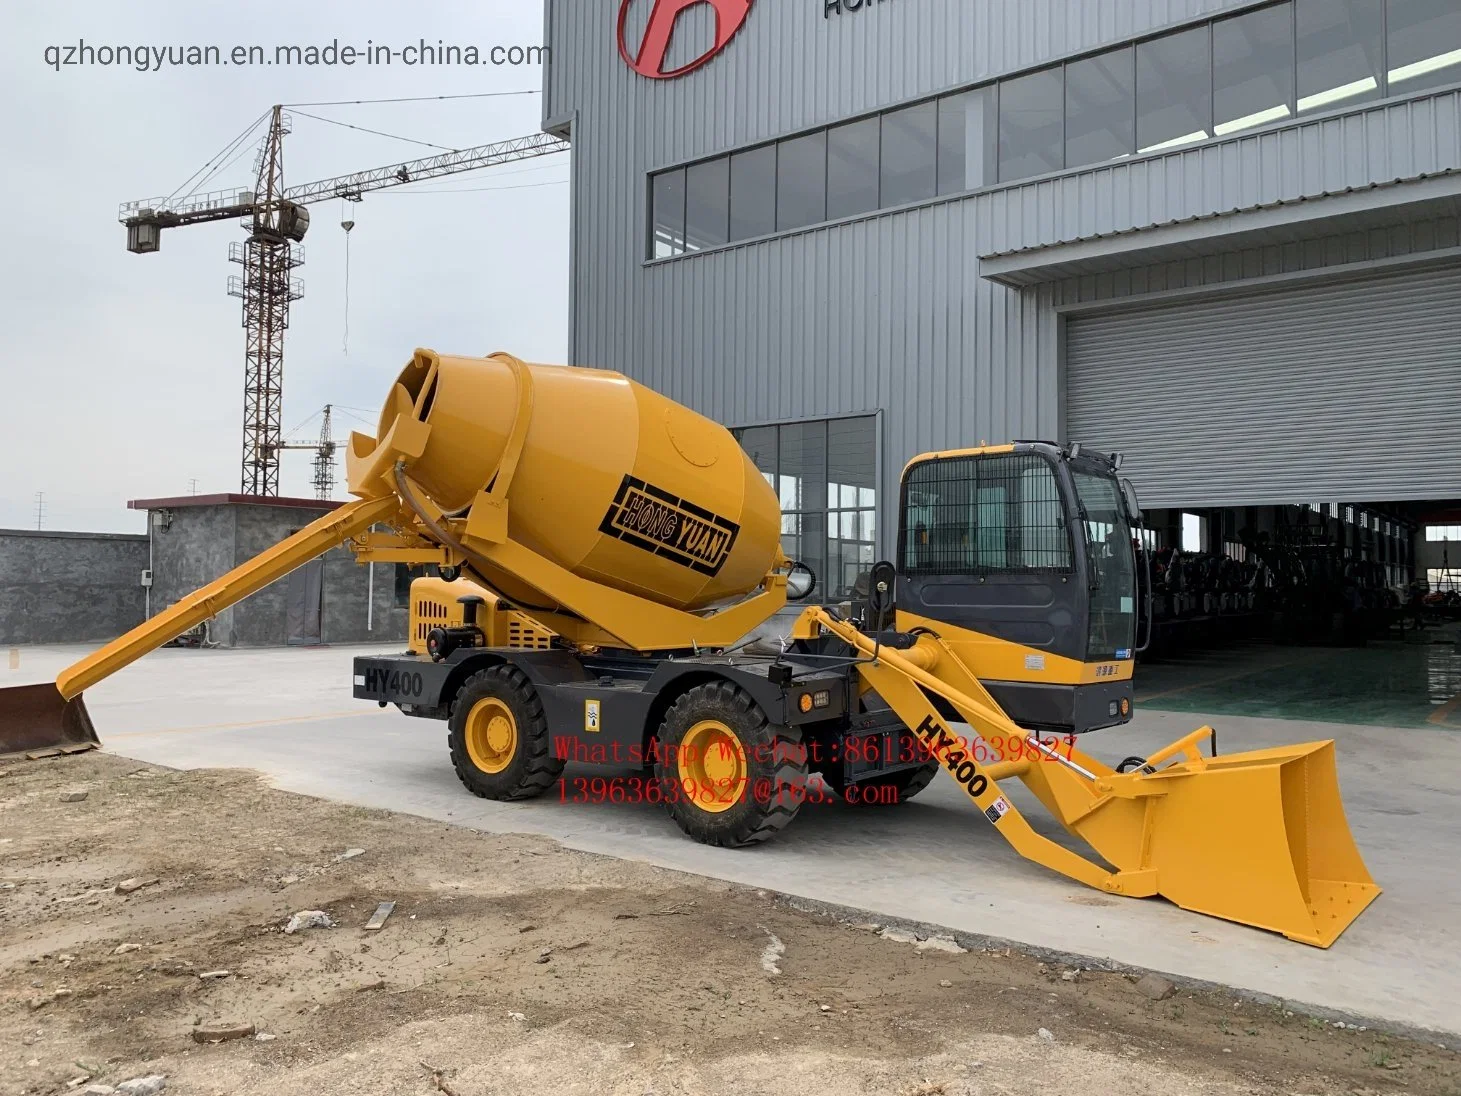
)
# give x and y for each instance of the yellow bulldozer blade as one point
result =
(1260, 838)
(37, 721)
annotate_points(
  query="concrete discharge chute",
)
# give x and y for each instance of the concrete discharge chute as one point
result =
(641, 545)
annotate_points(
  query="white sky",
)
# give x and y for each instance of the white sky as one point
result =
(122, 374)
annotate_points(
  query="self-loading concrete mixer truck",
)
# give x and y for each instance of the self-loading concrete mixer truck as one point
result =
(603, 553)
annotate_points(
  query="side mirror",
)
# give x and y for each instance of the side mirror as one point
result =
(801, 581)
(1133, 504)
(882, 590)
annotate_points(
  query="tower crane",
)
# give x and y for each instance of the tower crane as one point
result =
(276, 220)
(323, 478)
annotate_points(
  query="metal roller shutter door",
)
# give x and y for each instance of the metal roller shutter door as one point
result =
(1337, 392)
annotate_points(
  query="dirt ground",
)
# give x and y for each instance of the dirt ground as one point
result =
(511, 965)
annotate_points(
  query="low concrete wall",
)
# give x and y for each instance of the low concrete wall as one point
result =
(70, 587)
(196, 543)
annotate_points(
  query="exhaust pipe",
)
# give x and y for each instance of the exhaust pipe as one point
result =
(37, 721)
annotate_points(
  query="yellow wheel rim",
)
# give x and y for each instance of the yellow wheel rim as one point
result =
(491, 735)
(712, 767)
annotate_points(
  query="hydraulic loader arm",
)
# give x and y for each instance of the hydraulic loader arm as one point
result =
(1258, 837)
(40, 717)
(248, 578)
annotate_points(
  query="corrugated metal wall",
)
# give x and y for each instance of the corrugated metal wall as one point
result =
(887, 312)
(1316, 392)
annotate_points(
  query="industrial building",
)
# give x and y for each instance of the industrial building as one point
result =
(1218, 237)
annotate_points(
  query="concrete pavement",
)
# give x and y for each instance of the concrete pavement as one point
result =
(289, 714)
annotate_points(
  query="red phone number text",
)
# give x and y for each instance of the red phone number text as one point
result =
(713, 793)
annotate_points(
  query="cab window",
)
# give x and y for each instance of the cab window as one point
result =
(983, 515)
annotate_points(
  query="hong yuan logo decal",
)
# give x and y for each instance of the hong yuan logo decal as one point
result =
(650, 54)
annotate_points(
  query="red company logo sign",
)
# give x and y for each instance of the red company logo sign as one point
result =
(654, 48)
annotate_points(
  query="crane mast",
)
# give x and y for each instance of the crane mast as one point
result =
(267, 288)
(324, 475)
(276, 220)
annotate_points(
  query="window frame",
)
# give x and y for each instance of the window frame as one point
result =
(722, 164)
(653, 223)
(1130, 50)
(1360, 99)
(932, 106)
(730, 158)
(1072, 547)
(1290, 92)
(1056, 70)
(829, 515)
(874, 127)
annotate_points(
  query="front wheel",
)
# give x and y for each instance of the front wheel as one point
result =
(498, 734)
(729, 776)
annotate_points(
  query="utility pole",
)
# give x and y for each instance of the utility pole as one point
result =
(40, 509)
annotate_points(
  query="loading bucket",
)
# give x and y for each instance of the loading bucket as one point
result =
(1260, 838)
(37, 721)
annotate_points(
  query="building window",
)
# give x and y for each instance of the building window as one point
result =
(1444, 581)
(1193, 533)
(965, 132)
(1425, 44)
(1031, 124)
(1173, 91)
(801, 181)
(753, 193)
(1341, 46)
(825, 474)
(707, 205)
(668, 215)
(1100, 116)
(852, 168)
(909, 155)
(1227, 76)
(1253, 69)
(1436, 533)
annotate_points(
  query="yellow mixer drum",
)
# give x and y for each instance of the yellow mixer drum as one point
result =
(614, 482)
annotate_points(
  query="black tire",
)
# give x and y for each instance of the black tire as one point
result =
(905, 784)
(529, 768)
(770, 788)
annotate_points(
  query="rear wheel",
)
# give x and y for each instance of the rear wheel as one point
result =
(500, 745)
(728, 776)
